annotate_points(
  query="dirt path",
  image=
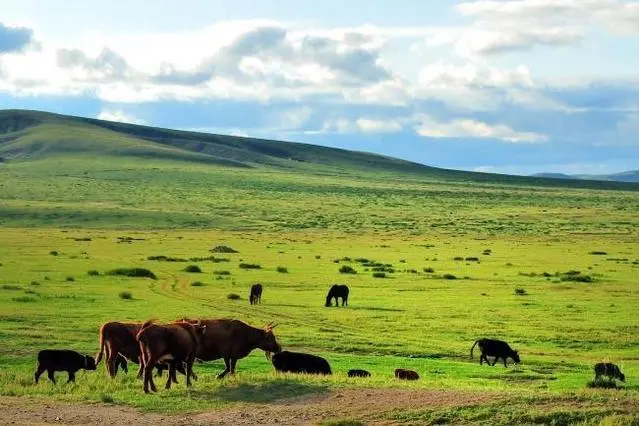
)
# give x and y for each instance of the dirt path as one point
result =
(363, 404)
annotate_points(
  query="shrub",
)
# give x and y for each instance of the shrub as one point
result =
(458, 258)
(69, 279)
(362, 260)
(132, 272)
(233, 296)
(402, 260)
(345, 269)
(46, 278)
(282, 270)
(93, 273)
(107, 399)
(11, 287)
(35, 283)
(222, 272)
(598, 253)
(449, 277)
(379, 274)
(53, 253)
(249, 266)
(578, 278)
(193, 269)
(126, 295)
(197, 284)
(223, 249)
(520, 292)
(209, 259)
(429, 270)
(163, 258)
(24, 299)
(472, 259)
(317, 256)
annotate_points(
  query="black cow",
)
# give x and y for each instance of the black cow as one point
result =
(256, 294)
(336, 291)
(609, 370)
(496, 348)
(297, 362)
(358, 373)
(53, 360)
(403, 374)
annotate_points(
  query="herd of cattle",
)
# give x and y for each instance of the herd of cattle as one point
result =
(176, 346)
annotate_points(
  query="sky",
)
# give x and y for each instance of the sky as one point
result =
(505, 86)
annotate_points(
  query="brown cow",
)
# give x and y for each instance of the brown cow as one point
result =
(403, 374)
(178, 342)
(232, 340)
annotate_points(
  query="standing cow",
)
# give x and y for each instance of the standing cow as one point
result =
(496, 348)
(609, 370)
(232, 340)
(256, 294)
(336, 291)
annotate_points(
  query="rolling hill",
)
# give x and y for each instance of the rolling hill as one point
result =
(631, 176)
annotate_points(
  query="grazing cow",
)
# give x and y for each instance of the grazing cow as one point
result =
(358, 373)
(117, 339)
(256, 294)
(297, 362)
(177, 342)
(609, 370)
(232, 340)
(53, 360)
(404, 374)
(496, 348)
(336, 291)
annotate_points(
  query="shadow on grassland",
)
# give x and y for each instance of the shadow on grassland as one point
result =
(262, 392)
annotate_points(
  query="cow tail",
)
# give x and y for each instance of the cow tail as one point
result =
(98, 356)
(473, 347)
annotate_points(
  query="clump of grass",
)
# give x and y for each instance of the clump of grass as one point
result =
(24, 299)
(70, 279)
(521, 292)
(125, 295)
(162, 258)
(249, 266)
(193, 269)
(54, 253)
(458, 258)
(233, 296)
(598, 253)
(209, 259)
(383, 268)
(282, 270)
(107, 399)
(345, 269)
(602, 384)
(197, 284)
(35, 283)
(222, 272)
(11, 287)
(132, 272)
(342, 422)
(317, 256)
(31, 292)
(223, 249)
(429, 270)
(472, 259)
(362, 260)
(449, 277)
(576, 276)
(47, 278)
(379, 274)
(93, 273)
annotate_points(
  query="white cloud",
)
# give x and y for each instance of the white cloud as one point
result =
(368, 125)
(119, 116)
(471, 128)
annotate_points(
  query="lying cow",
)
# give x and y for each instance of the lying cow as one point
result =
(496, 348)
(609, 370)
(178, 342)
(53, 360)
(403, 374)
(232, 340)
(358, 373)
(296, 362)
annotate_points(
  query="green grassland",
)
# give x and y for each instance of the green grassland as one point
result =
(76, 196)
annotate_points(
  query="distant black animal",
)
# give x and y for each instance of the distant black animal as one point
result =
(53, 360)
(609, 370)
(297, 362)
(256, 294)
(404, 374)
(336, 291)
(358, 373)
(496, 348)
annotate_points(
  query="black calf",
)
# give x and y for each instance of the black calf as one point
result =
(53, 360)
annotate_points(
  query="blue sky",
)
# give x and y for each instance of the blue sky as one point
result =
(509, 86)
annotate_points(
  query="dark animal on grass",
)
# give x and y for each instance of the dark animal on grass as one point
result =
(403, 374)
(496, 348)
(297, 362)
(177, 342)
(609, 370)
(117, 342)
(232, 340)
(358, 373)
(256, 294)
(336, 291)
(52, 360)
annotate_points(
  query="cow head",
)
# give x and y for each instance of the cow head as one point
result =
(89, 362)
(268, 343)
(515, 356)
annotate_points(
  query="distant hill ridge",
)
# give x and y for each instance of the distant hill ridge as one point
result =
(631, 176)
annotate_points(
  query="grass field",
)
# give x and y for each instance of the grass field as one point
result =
(551, 269)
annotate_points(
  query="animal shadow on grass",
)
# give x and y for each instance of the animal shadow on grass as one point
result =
(262, 392)
(376, 308)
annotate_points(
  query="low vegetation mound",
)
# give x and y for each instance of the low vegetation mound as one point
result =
(249, 266)
(345, 269)
(194, 269)
(132, 272)
(223, 249)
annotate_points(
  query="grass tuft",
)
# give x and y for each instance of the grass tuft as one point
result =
(132, 272)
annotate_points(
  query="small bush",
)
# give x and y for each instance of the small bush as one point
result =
(282, 270)
(11, 287)
(578, 278)
(222, 272)
(449, 277)
(472, 259)
(521, 292)
(458, 258)
(53, 253)
(362, 260)
(93, 273)
(345, 269)
(249, 266)
(233, 296)
(24, 299)
(223, 249)
(69, 279)
(193, 269)
(126, 295)
(429, 270)
(132, 272)
(46, 278)
(107, 399)
(163, 258)
(379, 274)
(598, 253)
(209, 259)
(197, 284)
(317, 256)
(35, 283)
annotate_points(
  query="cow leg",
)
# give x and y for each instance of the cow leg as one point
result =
(38, 373)
(481, 358)
(71, 376)
(227, 365)
(505, 364)
(51, 375)
(233, 362)
(189, 371)
(171, 375)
